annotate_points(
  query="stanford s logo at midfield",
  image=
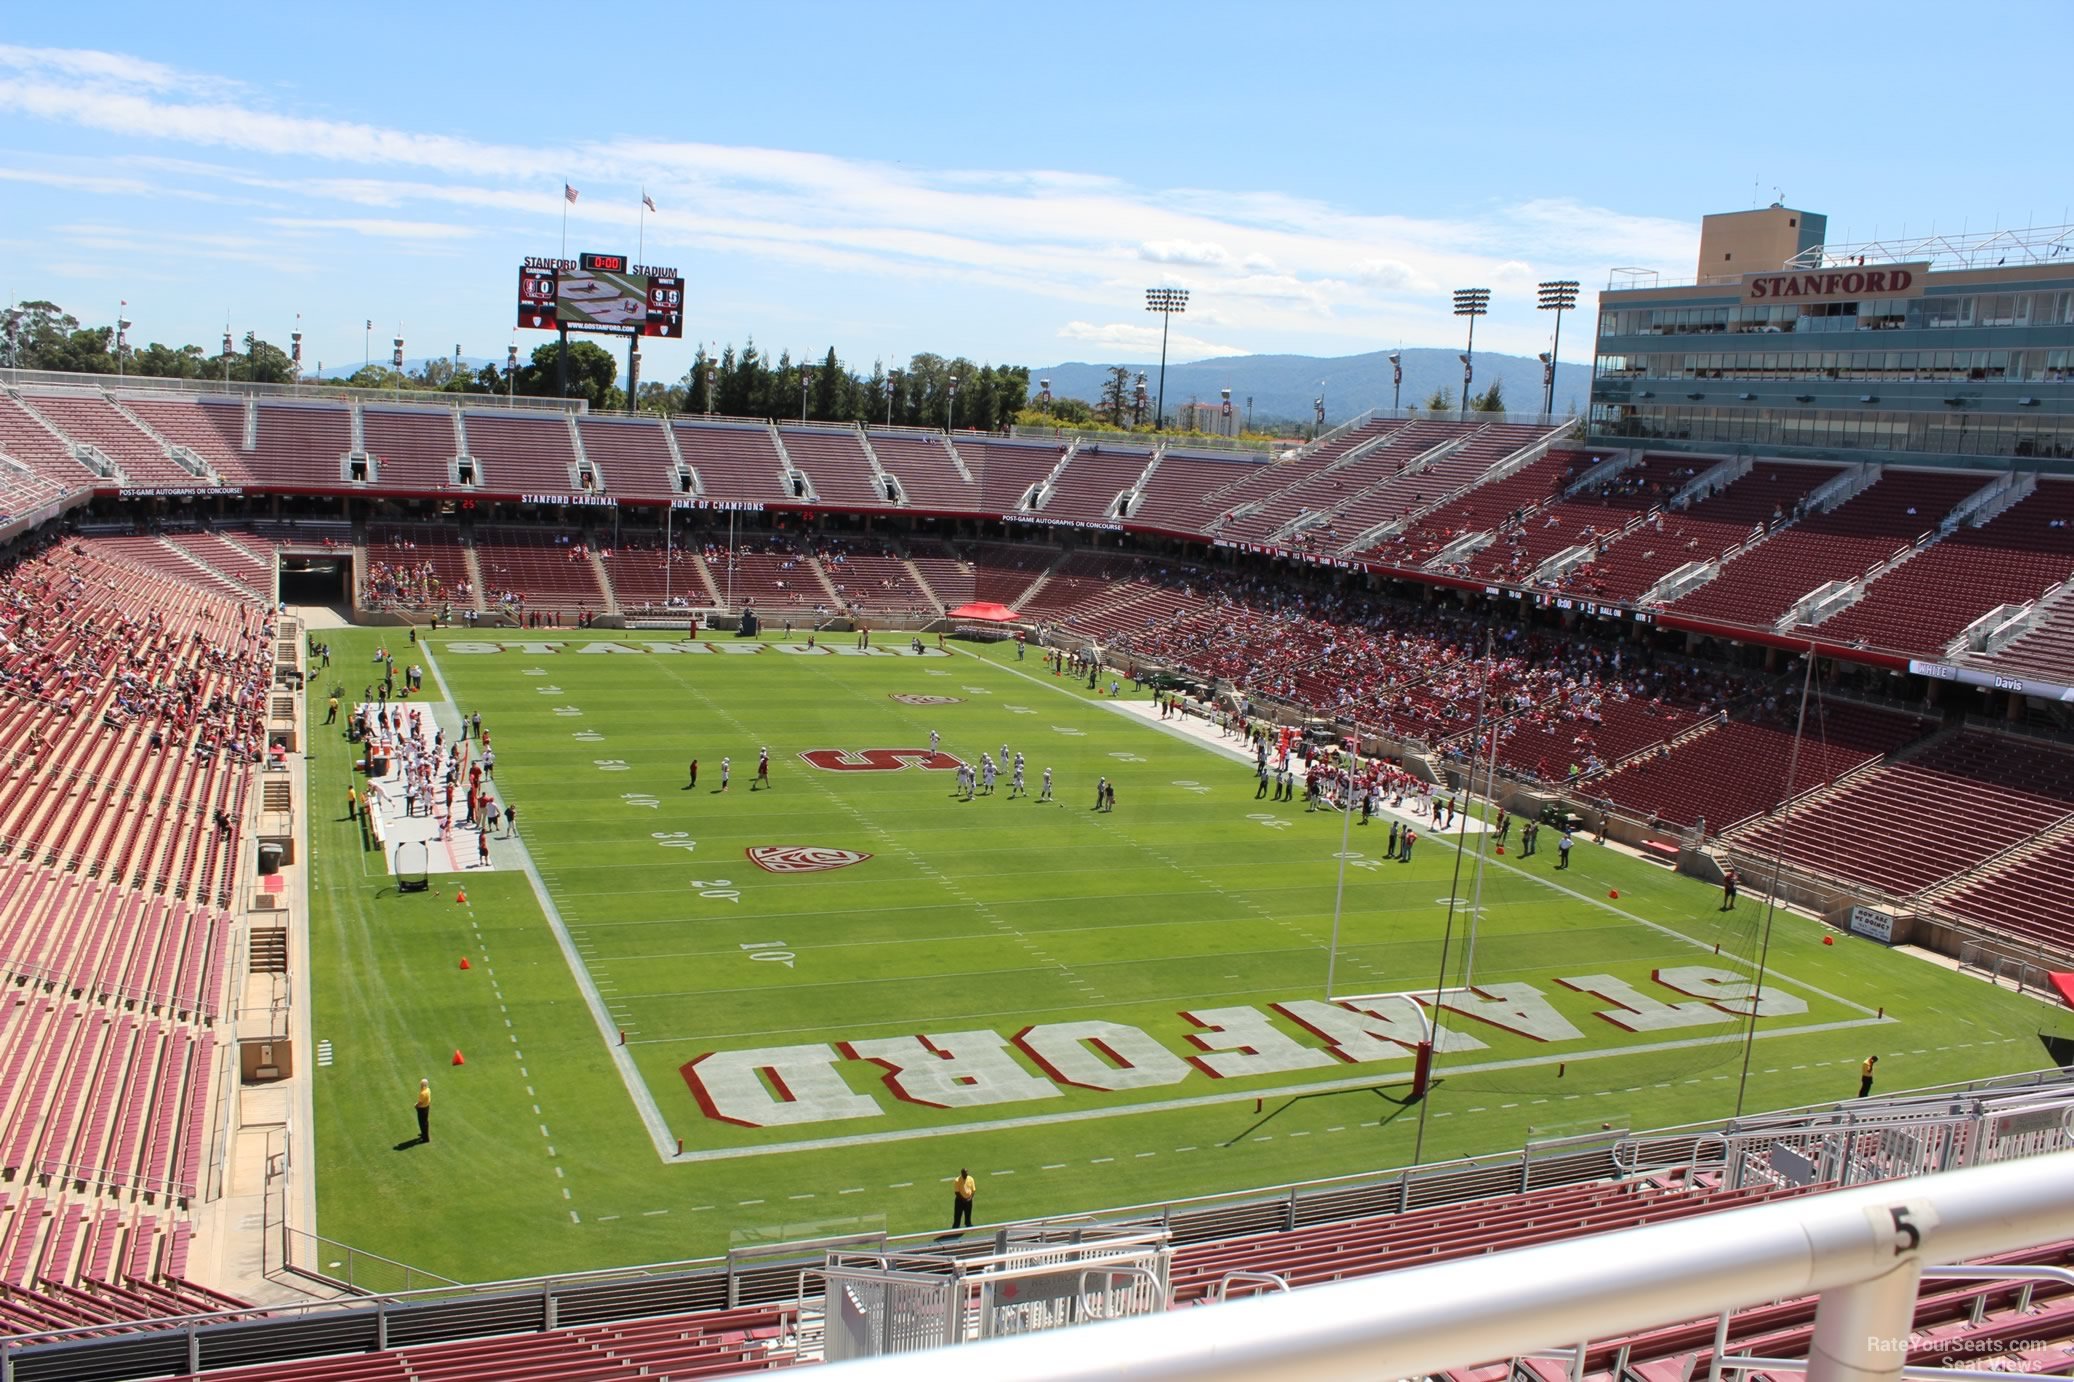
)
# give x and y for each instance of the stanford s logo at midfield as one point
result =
(906, 698)
(878, 760)
(802, 858)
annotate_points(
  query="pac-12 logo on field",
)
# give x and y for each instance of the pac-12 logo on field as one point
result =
(802, 858)
(878, 760)
(906, 698)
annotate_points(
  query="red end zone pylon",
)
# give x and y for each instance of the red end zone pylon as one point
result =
(461, 896)
(457, 1057)
(464, 962)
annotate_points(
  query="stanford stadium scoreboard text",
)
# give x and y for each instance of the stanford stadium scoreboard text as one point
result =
(659, 293)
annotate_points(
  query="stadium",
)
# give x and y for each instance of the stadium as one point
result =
(1357, 872)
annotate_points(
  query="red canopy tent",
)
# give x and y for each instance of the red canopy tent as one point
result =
(987, 612)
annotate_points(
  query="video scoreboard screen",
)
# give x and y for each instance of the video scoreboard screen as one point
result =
(590, 296)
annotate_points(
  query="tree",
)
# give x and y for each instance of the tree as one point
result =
(45, 336)
(593, 374)
(1491, 400)
(1442, 401)
(167, 362)
(1116, 395)
(831, 390)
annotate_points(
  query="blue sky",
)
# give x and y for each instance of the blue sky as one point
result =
(994, 181)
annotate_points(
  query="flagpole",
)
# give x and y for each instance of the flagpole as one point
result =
(565, 218)
(641, 234)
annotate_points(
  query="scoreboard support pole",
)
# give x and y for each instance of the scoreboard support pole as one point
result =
(562, 361)
(633, 369)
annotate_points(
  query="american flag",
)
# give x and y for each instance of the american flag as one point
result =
(568, 193)
(648, 201)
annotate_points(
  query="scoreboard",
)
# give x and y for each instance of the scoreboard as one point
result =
(601, 293)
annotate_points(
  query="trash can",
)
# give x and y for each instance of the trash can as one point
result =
(270, 859)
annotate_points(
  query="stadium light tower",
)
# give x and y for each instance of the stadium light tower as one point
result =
(1471, 303)
(1139, 402)
(1396, 381)
(511, 374)
(1166, 302)
(1558, 295)
(891, 376)
(953, 414)
(803, 376)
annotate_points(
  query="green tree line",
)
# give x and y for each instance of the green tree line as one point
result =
(740, 382)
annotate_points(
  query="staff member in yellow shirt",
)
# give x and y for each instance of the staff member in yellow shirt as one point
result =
(1865, 1075)
(962, 1190)
(425, 1110)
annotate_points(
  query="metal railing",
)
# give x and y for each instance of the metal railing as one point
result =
(287, 393)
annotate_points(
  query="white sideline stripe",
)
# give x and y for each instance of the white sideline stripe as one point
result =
(1126, 709)
(1038, 1120)
(608, 1030)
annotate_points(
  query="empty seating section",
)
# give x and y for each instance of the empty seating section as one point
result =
(836, 464)
(1365, 1247)
(725, 1343)
(1904, 827)
(246, 560)
(1346, 470)
(768, 575)
(417, 566)
(1004, 572)
(1737, 769)
(633, 456)
(643, 579)
(1094, 479)
(1759, 586)
(2045, 651)
(161, 554)
(28, 439)
(1699, 530)
(92, 419)
(872, 580)
(1079, 580)
(1406, 492)
(1481, 509)
(2030, 896)
(301, 445)
(1590, 519)
(1928, 600)
(923, 465)
(1176, 498)
(212, 428)
(528, 569)
(413, 448)
(71, 1263)
(735, 461)
(950, 575)
(522, 452)
(1006, 470)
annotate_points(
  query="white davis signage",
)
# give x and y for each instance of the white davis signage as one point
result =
(819, 1082)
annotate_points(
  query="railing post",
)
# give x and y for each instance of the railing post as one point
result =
(1861, 1330)
(381, 1325)
(547, 1309)
(1720, 1347)
(194, 1348)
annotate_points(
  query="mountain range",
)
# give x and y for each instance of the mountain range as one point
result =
(1284, 386)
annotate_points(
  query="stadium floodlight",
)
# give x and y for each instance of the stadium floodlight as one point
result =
(1558, 295)
(122, 327)
(953, 426)
(1396, 380)
(511, 374)
(1471, 303)
(1139, 402)
(1044, 394)
(891, 376)
(1226, 394)
(1166, 302)
(803, 377)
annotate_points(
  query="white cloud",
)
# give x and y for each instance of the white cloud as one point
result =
(377, 229)
(1129, 338)
(1265, 267)
(1184, 252)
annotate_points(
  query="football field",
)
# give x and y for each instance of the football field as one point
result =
(695, 1018)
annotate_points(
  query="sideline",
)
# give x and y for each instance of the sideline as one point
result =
(637, 1088)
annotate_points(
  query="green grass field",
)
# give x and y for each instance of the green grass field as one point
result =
(1057, 960)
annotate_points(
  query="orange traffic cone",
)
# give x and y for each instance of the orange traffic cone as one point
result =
(1614, 894)
(1501, 849)
(457, 1057)
(464, 962)
(461, 896)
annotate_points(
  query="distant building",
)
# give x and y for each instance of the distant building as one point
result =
(1941, 350)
